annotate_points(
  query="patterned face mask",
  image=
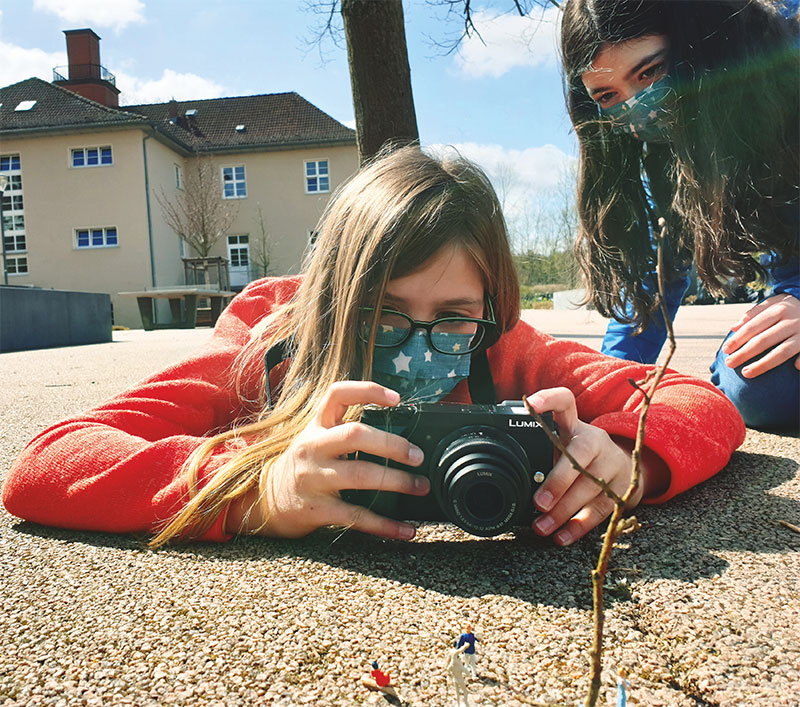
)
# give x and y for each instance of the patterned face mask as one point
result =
(416, 370)
(645, 116)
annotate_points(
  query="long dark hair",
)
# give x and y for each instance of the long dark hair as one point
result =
(727, 182)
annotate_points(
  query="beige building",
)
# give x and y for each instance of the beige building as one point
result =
(85, 179)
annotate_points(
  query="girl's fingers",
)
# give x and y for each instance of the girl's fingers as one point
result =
(754, 347)
(343, 394)
(774, 358)
(351, 437)
(584, 501)
(561, 402)
(357, 474)
(584, 447)
(346, 515)
(753, 321)
(587, 518)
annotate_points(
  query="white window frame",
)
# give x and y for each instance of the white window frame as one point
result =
(317, 176)
(16, 259)
(236, 182)
(91, 245)
(238, 246)
(85, 165)
(178, 177)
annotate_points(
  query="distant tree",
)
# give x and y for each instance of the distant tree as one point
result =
(261, 249)
(197, 213)
(377, 54)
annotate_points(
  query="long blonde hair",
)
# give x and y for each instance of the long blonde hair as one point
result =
(389, 219)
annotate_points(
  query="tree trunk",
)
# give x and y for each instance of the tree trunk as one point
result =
(379, 74)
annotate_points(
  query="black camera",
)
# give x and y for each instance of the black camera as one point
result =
(484, 463)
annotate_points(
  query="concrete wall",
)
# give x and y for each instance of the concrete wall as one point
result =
(38, 319)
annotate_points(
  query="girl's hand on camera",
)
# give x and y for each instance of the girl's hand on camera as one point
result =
(571, 504)
(303, 483)
(774, 322)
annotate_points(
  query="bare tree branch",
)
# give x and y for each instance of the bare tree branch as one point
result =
(198, 214)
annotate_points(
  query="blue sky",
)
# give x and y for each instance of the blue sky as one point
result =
(500, 103)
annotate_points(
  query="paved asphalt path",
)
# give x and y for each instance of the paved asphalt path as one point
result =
(705, 598)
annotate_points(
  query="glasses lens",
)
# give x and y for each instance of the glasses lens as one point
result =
(392, 329)
(457, 336)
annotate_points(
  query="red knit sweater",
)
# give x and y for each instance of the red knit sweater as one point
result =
(117, 467)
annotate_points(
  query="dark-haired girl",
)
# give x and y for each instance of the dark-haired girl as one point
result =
(689, 110)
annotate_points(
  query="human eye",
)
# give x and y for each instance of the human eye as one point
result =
(605, 98)
(651, 73)
(392, 318)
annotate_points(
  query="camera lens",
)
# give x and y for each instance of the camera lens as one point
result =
(484, 501)
(481, 480)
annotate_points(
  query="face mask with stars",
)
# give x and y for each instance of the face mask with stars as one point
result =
(645, 116)
(416, 371)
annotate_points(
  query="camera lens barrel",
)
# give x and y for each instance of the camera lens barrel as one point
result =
(481, 480)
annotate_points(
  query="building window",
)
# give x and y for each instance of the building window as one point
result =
(234, 185)
(91, 156)
(96, 237)
(12, 202)
(178, 177)
(17, 266)
(14, 239)
(318, 180)
(14, 242)
(239, 251)
(9, 163)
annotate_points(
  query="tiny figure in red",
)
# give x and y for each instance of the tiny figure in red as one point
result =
(381, 679)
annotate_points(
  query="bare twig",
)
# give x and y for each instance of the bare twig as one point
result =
(787, 524)
(614, 525)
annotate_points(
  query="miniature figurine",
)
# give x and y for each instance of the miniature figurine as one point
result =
(468, 639)
(379, 681)
(456, 668)
(622, 699)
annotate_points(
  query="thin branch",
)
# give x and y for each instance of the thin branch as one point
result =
(615, 525)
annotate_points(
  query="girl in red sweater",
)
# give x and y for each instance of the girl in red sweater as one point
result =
(410, 285)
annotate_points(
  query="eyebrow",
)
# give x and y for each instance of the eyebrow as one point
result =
(644, 62)
(456, 302)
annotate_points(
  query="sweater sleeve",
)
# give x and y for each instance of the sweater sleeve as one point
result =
(117, 468)
(691, 425)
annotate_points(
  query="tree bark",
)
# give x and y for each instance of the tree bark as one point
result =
(380, 76)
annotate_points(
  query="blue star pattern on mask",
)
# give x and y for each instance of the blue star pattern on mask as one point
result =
(416, 371)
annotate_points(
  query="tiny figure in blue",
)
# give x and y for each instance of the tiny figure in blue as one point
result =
(622, 683)
(468, 638)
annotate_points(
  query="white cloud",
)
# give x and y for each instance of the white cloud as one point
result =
(116, 14)
(532, 184)
(533, 169)
(172, 84)
(509, 41)
(19, 63)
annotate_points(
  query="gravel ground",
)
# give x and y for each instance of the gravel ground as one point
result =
(704, 598)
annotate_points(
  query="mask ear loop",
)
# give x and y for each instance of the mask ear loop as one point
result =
(277, 353)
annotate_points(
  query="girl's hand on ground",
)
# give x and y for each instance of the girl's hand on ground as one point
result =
(303, 484)
(572, 504)
(774, 322)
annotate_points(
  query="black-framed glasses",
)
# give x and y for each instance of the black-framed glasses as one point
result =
(449, 335)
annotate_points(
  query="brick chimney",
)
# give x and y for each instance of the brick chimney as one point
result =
(85, 75)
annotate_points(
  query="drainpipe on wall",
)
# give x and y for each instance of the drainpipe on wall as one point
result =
(149, 217)
(149, 221)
